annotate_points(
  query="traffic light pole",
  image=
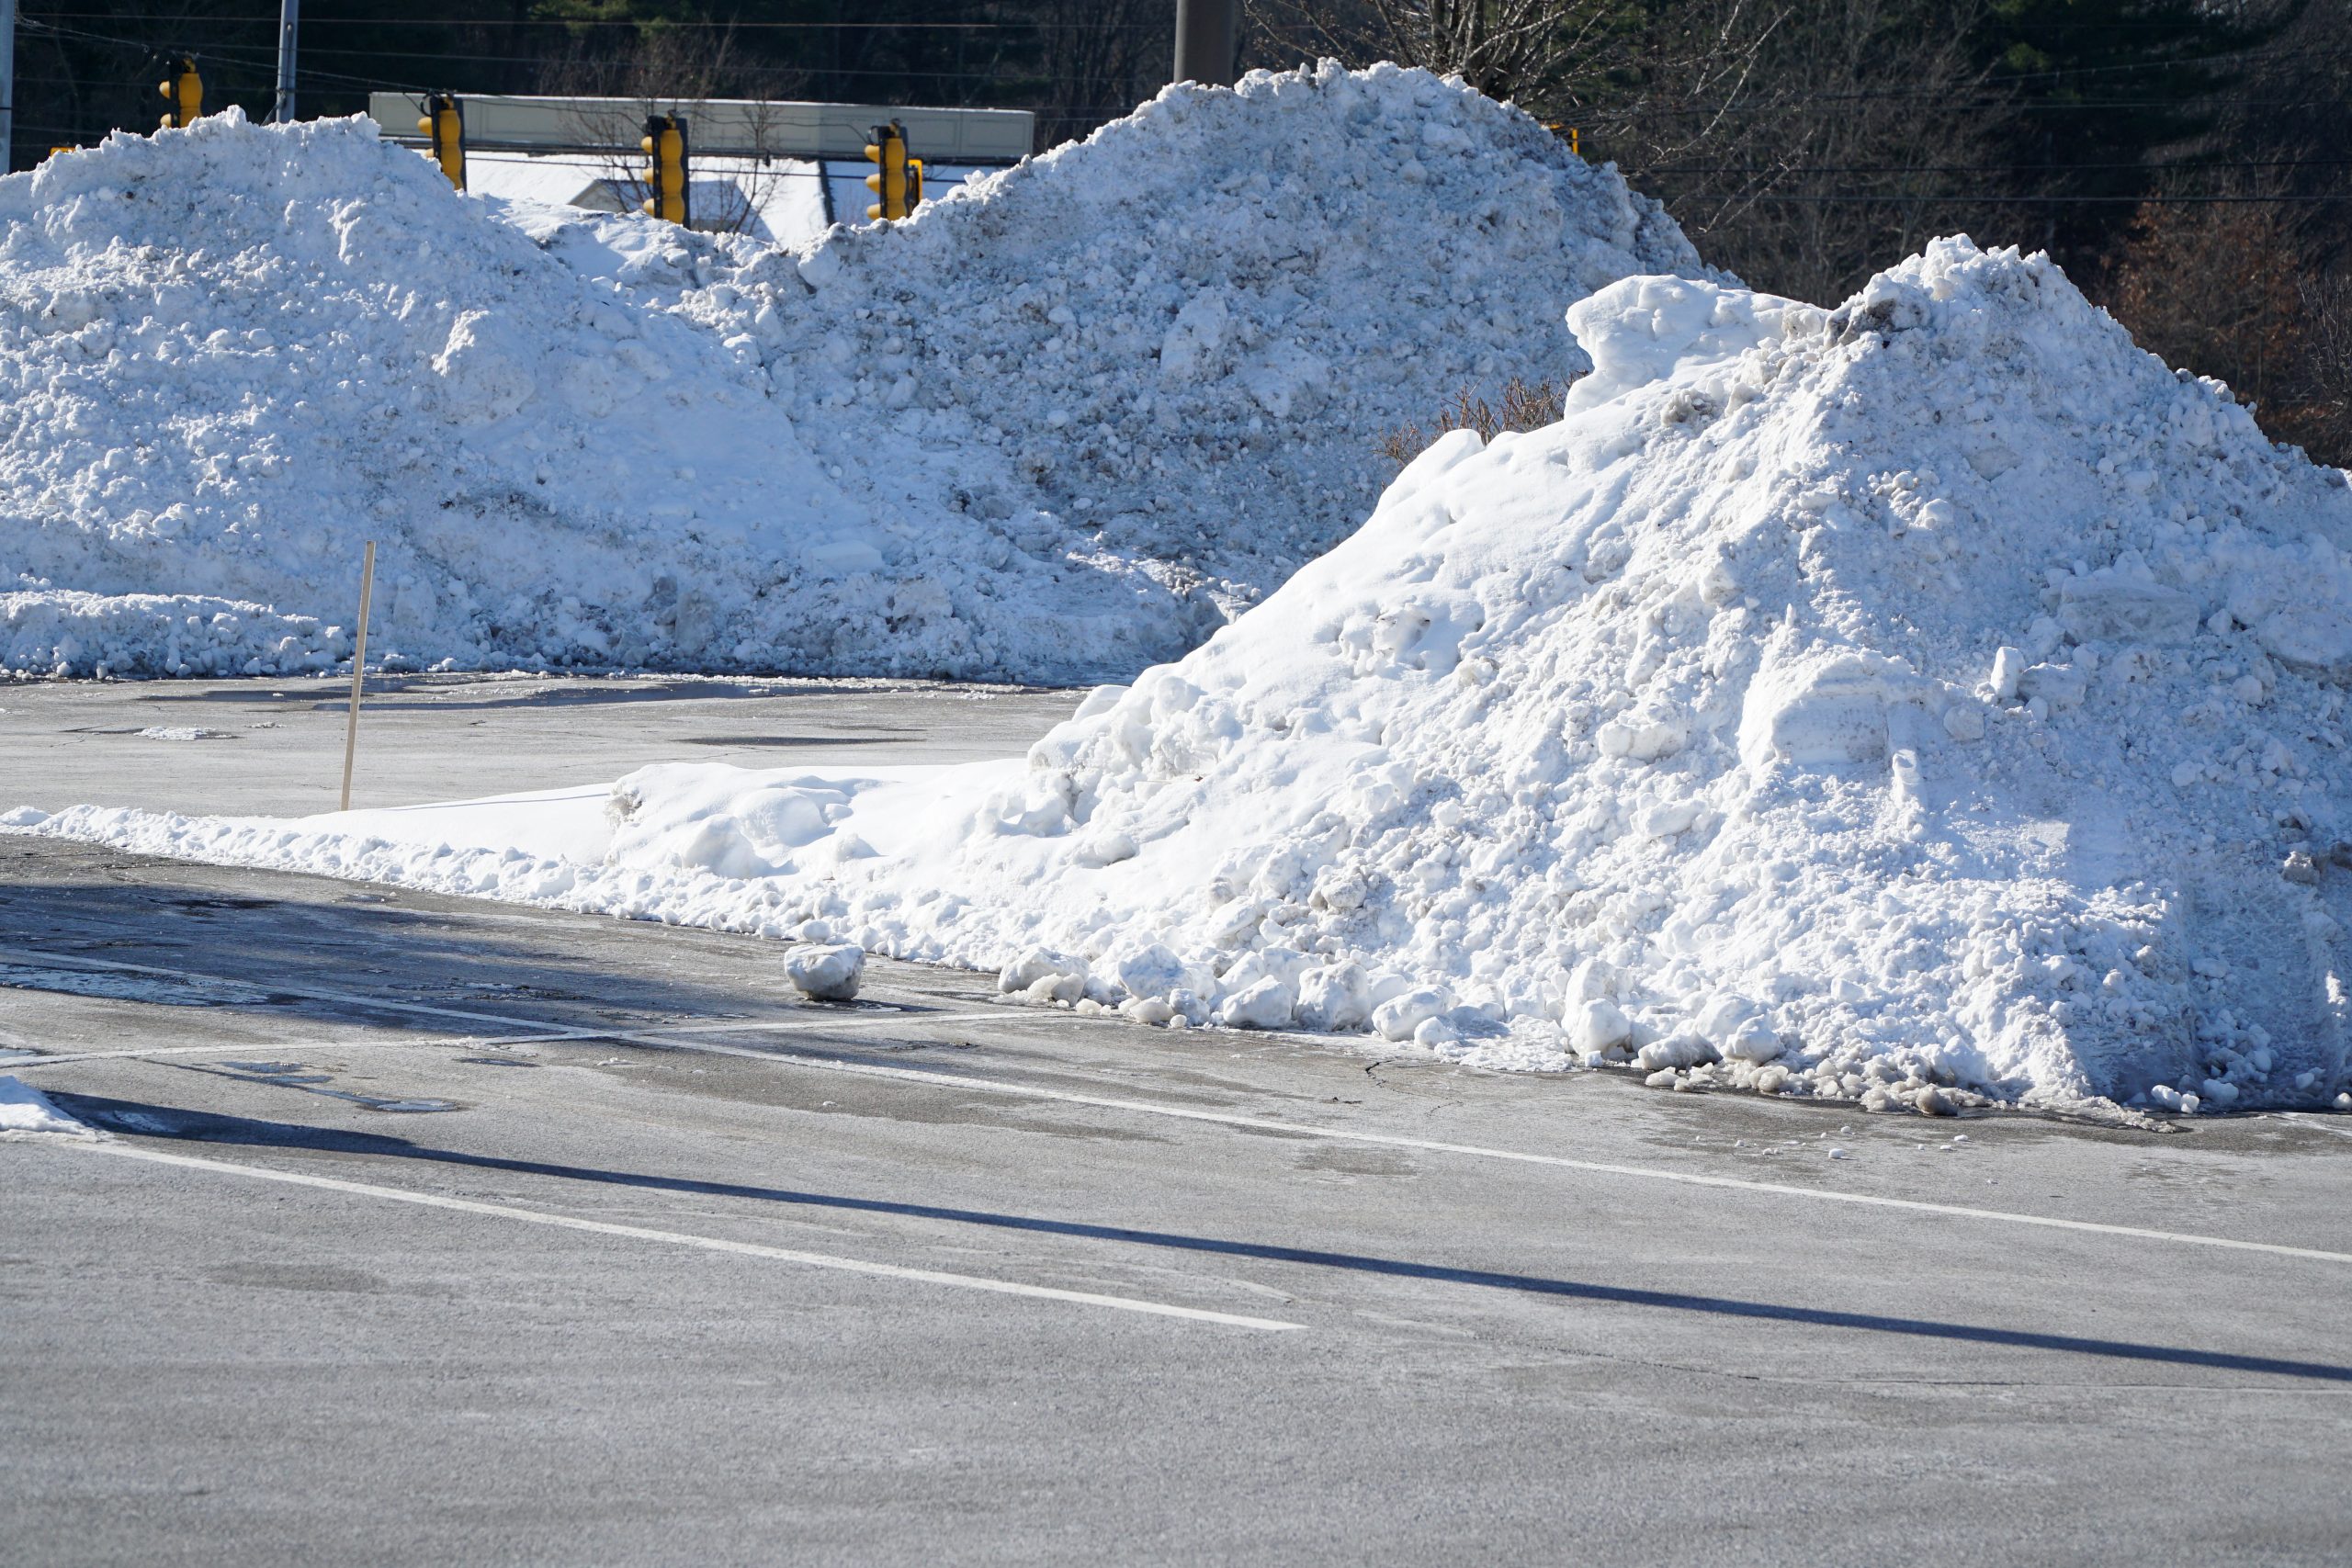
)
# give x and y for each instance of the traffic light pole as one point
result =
(1206, 33)
(284, 111)
(8, 79)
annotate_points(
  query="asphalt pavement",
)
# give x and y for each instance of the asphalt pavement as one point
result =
(427, 1230)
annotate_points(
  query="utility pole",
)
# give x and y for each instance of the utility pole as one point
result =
(284, 111)
(8, 78)
(1206, 33)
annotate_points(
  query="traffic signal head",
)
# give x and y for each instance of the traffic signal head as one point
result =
(182, 93)
(665, 145)
(444, 123)
(890, 182)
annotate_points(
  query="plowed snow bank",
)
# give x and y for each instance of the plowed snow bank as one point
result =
(1052, 429)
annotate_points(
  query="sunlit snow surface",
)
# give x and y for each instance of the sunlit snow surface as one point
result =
(25, 1110)
(1927, 702)
(1056, 427)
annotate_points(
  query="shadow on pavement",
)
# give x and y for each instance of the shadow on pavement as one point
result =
(266, 951)
(211, 1128)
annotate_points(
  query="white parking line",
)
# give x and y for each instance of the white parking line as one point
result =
(705, 1243)
(665, 1040)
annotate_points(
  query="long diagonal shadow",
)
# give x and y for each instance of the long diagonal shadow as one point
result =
(210, 1127)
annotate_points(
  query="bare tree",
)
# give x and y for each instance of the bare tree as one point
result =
(1529, 50)
(1099, 58)
(652, 69)
(1805, 148)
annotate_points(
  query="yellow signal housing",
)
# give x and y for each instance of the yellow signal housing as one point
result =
(444, 123)
(182, 91)
(664, 145)
(890, 182)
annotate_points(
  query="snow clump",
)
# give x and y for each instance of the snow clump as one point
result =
(825, 972)
(26, 1111)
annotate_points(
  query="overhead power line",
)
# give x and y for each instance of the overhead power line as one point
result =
(1905, 198)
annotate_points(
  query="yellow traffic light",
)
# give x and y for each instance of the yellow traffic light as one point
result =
(444, 123)
(183, 91)
(664, 145)
(898, 181)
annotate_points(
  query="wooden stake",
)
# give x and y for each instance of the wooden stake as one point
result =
(358, 667)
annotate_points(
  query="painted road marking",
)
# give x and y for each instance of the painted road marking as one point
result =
(966, 1083)
(705, 1243)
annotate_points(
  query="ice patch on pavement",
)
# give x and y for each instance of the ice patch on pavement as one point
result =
(162, 989)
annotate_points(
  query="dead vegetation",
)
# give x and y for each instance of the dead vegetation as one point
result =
(1520, 405)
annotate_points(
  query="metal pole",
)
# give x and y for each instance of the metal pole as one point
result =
(358, 670)
(1206, 33)
(284, 111)
(8, 79)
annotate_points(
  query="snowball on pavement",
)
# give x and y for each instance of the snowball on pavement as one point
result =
(828, 974)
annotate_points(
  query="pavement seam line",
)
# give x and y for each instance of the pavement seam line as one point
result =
(1264, 1124)
(705, 1243)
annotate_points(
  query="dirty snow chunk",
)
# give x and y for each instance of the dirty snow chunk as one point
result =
(2008, 667)
(23, 1109)
(826, 972)
(1335, 997)
(2113, 606)
(2057, 685)
(1598, 1024)
(1681, 1051)
(1645, 736)
(1042, 964)
(1059, 425)
(1268, 1004)
(1398, 1017)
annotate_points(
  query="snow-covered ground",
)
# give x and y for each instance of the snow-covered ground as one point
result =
(1055, 427)
(1928, 701)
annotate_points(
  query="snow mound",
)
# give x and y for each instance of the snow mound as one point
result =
(25, 1110)
(1931, 701)
(1054, 428)
(1182, 338)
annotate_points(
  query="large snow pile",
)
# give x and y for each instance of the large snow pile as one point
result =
(1924, 702)
(1181, 339)
(1053, 428)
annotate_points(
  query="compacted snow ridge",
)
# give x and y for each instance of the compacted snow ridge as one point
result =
(1057, 427)
(1933, 701)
